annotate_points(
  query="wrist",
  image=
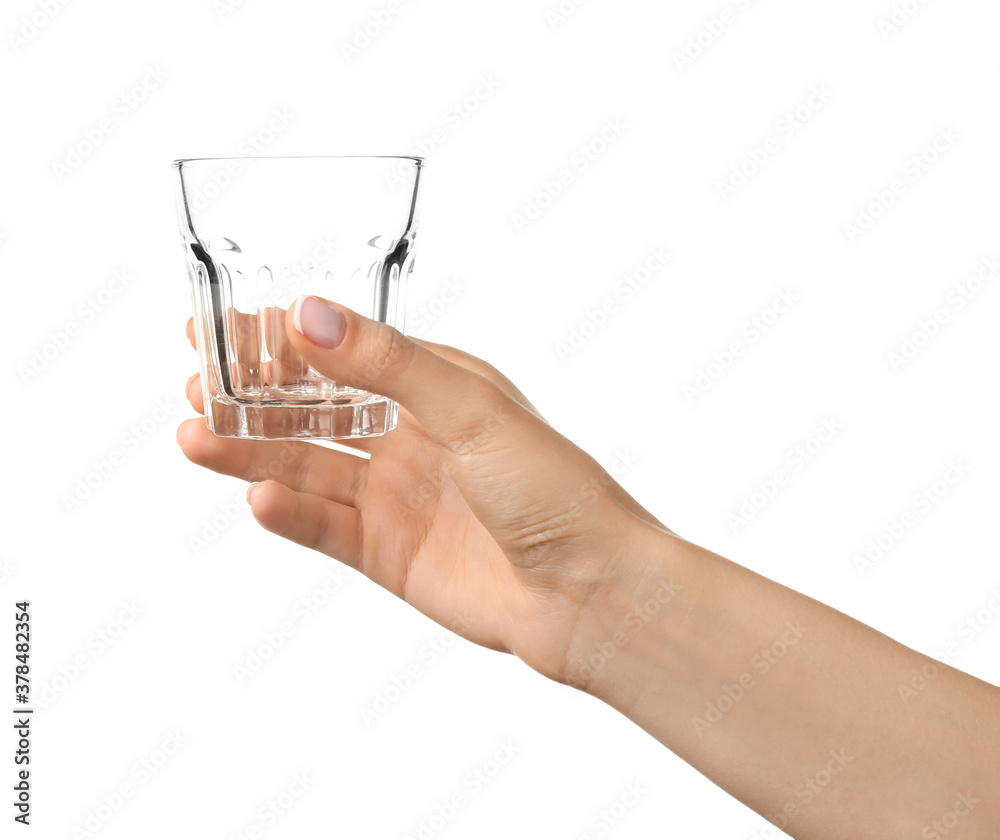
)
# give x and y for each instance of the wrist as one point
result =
(632, 618)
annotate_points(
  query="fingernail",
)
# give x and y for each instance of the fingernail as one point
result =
(250, 490)
(319, 322)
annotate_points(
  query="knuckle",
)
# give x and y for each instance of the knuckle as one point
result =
(391, 352)
(302, 475)
(483, 427)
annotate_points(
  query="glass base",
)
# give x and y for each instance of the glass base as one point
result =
(371, 418)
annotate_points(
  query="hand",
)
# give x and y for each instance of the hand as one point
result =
(474, 510)
(483, 517)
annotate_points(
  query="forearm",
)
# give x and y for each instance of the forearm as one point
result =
(792, 707)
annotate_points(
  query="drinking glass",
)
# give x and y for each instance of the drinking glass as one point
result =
(258, 232)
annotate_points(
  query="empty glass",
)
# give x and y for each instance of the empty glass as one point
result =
(257, 233)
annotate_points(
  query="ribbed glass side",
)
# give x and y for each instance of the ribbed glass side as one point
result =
(284, 227)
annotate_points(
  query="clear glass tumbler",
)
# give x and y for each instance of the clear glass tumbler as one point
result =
(257, 233)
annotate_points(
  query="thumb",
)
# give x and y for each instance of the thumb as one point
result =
(451, 402)
(550, 485)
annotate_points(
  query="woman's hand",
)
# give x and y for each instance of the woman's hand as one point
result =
(474, 510)
(483, 517)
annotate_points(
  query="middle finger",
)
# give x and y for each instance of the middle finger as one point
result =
(302, 466)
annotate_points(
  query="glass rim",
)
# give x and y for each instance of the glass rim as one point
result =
(178, 162)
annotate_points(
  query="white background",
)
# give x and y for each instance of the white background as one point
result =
(224, 70)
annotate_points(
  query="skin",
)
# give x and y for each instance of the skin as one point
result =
(482, 516)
